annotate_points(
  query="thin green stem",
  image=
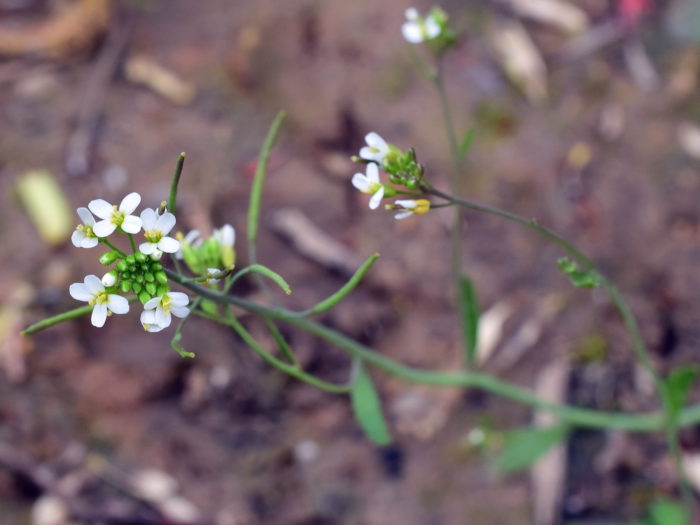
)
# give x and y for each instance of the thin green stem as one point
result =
(108, 243)
(56, 319)
(284, 348)
(132, 243)
(175, 181)
(259, 269)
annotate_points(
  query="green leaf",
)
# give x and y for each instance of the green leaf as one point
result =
(469, 317)
(466, 144)
(668, 512)
(367, 407)
(677, 387)
(525, 446)
(578, 277)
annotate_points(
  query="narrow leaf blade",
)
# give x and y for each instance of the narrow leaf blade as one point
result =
(367, 408)
(525, 446)
(469, 317)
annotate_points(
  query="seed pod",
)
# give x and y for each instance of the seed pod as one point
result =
(108, 258)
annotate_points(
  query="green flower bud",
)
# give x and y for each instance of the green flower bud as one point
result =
(161, 277)
(144, 297)
(140, 257)
(156, 265)
(125, 286)
(136, 287)
(149, 277)
(122, 265)
(130, 260)
(162, 289)
(151, 288)
(108, 258)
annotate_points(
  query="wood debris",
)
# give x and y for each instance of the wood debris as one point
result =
(72, 29)
(566, 16)
(146, 72)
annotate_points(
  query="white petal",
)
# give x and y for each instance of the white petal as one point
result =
(226, 235)
(376, 199)
(149, 219)
(117, 303)
(403, 214)
(432, 28)
(368, 153)
(129, 203)
(77, 238)
(101, 208)
(168, 245)
(94, 284)
(148, 247)
(373, 139)
(99, 315)
(163, 319)
(86, 216)
(179, 298)
(191, 236)
(372, 173)
(180, 311)
(152, 303)
(360, 182)
(104, 228)
(407, 203)
(131, 224)
(412, 13)
(109, 279)
(80, 292)
(89, 242)
(148, 320)
(156, 255)
(165, 223)
(412, 32)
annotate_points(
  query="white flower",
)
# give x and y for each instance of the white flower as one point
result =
(369, 183)
(226, 235)
(84, 236)
(148, 321)
(409, 207)
(174, 303)
(417, 29)
(192, 238)
(113, 217)
(93, 292)
(156, 227)
(376, 148)
(210, 273)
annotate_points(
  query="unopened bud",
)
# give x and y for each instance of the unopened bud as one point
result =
(108, 258)
(110, 278)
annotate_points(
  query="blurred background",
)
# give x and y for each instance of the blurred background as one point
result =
(586, 116)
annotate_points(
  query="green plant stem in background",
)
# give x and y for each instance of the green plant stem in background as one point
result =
(640, 350)
(257, 187)
(105, 241)
(175, 181)
(132, 243)
(56, 319)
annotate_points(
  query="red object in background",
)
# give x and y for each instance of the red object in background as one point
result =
(631, 11)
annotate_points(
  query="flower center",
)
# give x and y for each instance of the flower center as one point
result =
(99, 298)
(373, 187)
(166, 304)
(87, 231)
(154, 235)
(117, 217)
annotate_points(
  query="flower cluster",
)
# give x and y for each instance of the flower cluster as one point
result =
(210, 256)
(432, 29)
(140, 273)
(405, 176)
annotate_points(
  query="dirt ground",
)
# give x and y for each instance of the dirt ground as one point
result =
(111, 426)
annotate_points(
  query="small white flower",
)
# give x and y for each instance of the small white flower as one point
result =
(369, 183)
(84, 236)
(409, 207)
(376, 148)
(93, 292)
(226, 235)
(113, 217)
(210, 272)
(156, 227)
(416, 29)
(148, 321)
(193, 238)
(174, 303)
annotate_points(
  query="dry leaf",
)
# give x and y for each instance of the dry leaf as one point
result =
(144, 71)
